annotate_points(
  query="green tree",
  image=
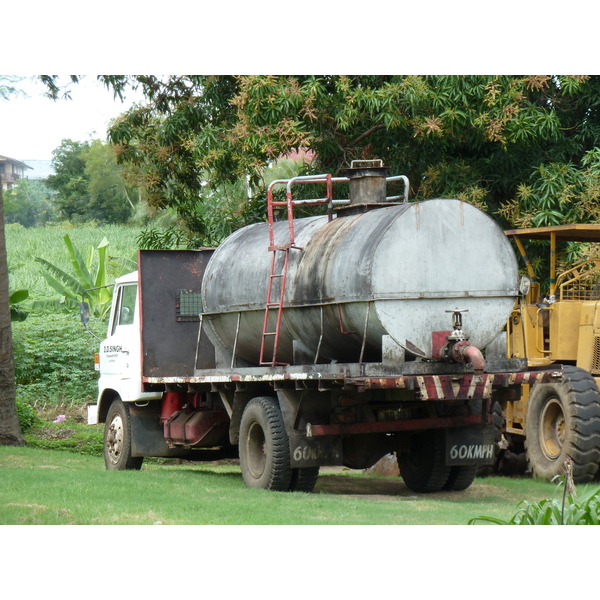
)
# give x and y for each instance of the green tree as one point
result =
(29, 203)
(489, 140)
(8, 86)
(89, 183)
(70, 180)
(110, 198)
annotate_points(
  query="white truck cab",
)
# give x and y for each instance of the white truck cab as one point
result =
(120, 352)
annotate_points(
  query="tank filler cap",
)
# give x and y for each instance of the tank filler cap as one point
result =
(367, 182)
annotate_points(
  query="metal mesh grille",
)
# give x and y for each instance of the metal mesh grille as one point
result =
(581, 289)
(582, 282)
(189, 305)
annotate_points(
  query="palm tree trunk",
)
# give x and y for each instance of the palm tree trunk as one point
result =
(10, 430)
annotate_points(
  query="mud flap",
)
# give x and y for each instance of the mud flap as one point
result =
(470, 446)
(315, 451)
(147, 436)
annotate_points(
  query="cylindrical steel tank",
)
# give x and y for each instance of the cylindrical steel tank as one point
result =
(390, 271)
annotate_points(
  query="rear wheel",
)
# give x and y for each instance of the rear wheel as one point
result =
(117, 439)
(264, 446)
(563, 420)
(423, 467)
(304, 480)
(460, 478)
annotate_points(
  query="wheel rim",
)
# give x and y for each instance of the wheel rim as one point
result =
(114, 439)
(257, 450)
(552, 429)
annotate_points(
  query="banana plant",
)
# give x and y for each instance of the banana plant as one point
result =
(16, 313)
(88, 282)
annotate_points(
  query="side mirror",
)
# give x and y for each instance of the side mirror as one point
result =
(524, 286)
(84, 312)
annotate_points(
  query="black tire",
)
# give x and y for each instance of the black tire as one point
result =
(563, 420)
(424, 468)
(460, 478)
(304, 480)
(264, 446)
(117, 439)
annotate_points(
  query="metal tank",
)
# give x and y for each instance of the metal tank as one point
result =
(392, 271)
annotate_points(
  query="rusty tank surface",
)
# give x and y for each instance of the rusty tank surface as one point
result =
(390, 269)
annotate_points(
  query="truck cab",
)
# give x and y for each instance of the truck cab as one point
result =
(120, 352)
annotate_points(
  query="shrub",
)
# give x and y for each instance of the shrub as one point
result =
(584, 511)
(570, 510)
(27, 415)
(54, 359)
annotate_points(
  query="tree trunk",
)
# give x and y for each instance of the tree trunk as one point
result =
(10, 430)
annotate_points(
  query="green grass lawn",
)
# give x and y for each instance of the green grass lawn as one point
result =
(43, 487)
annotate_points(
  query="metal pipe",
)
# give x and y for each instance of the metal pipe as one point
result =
(464, 352)
(404, 179)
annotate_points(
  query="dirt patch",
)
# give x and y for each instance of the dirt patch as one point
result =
(54, 434)
(70, 411)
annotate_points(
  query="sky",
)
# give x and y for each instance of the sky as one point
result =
(32, 126)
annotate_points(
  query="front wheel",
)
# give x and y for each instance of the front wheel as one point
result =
(563, 421)
(264, 446)
(117, 439)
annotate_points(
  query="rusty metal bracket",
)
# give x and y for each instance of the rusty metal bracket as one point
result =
(342, 330)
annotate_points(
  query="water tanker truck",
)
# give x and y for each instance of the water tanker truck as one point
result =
(327, 340)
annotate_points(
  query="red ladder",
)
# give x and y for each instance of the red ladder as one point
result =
(276, 304)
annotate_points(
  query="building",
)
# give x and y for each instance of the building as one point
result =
(10, 171)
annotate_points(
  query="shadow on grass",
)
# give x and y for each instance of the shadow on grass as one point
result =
(335, 481)
(362, 486)
(334, 484)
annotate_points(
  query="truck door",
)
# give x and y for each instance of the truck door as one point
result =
(120, 351)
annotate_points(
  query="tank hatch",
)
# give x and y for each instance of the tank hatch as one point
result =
(368, 187)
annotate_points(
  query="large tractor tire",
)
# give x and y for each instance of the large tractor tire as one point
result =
(423, 467)
(117, 439)
(264, 446)
(563, 421)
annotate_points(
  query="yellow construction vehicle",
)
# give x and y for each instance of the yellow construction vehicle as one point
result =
(558, 325)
